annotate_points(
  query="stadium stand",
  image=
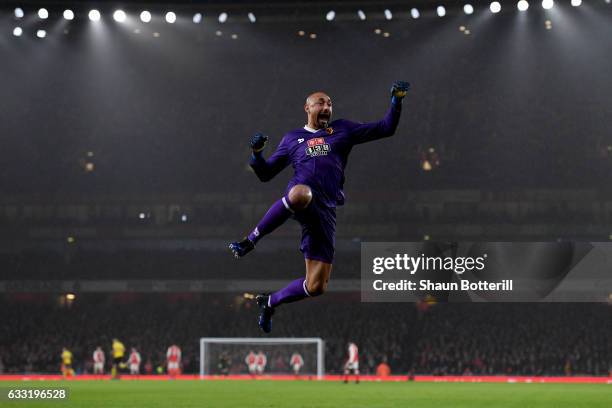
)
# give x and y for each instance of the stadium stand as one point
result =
(457, 339)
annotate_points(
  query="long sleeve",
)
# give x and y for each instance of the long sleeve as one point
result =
(267, 169)
(368, 132)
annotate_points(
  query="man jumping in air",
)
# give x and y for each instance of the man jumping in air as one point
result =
(318, 153)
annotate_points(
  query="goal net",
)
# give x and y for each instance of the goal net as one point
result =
(230, 355)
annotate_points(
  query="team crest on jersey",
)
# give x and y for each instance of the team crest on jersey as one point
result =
(329, 130)
(317, 147)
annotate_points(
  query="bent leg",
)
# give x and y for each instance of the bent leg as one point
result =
(293, 292)
(318, 238)
(314, 284)
(296, 200)
(317, 276)
(318, 231)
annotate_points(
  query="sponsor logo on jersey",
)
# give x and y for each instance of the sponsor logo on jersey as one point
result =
(317, 147)
(301, 140)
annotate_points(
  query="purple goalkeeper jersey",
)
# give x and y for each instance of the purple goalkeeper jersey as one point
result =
(319, 158)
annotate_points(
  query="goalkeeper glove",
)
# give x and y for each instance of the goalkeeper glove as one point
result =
(399, 89)
(258, 142)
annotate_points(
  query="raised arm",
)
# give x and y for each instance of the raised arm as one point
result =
(267, 169)
(368, 132)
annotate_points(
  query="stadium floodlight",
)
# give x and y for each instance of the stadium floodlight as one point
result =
(361, 14)
(17, 31)
(43, 14)
(41, 33)
(197, 18)
(184, 218)
(522, 5)
(212, 347)
(468, 9)
(495, 7)
(331, 14)
(576, 3)
(170, 17)
(94, 15)
(415, 13)
(145, 16)
(388, 14)
(441, 10)
(19, 12)
(547, 4)
(119, 16)
(223, 17)
(68, 15)
(252, 17)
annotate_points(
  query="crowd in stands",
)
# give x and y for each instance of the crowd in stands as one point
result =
(441, 206)
(170, 264)
(439, 339)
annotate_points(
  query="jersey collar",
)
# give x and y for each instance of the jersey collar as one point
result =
(311, 130)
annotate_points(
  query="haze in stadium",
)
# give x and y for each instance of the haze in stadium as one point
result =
(306, 203)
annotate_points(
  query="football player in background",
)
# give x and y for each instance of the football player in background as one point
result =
(66, 369)
(173, 360)
(118, 353)
(261, 362)
(251, 361)
(98, 360)
(352, 363)
(134, 361)
(296, 362)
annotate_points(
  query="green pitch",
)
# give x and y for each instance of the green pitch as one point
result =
(312, 394)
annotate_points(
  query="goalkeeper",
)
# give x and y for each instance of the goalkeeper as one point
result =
(318, 153)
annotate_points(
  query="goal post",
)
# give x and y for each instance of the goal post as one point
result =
(281, 346)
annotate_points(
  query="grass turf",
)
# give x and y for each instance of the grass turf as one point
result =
(312, 394)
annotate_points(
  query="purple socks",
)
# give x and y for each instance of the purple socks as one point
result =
(274, 218)
(293, 292)
(278, 213)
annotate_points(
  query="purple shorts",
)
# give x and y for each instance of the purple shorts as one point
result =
(318, 223)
